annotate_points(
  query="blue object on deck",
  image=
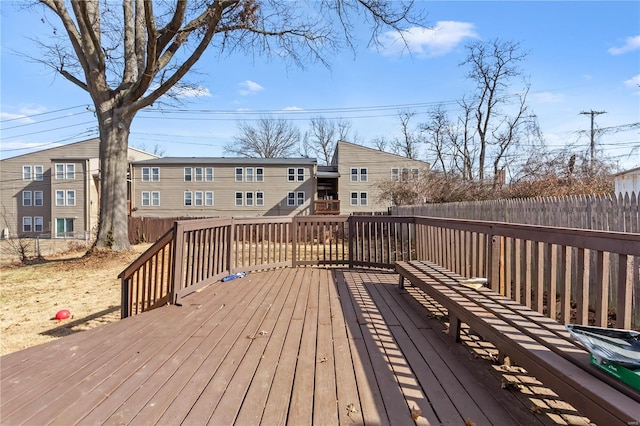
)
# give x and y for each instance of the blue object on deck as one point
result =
(234, 276)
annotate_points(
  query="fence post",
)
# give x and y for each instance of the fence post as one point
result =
(125, 309)
(178, 254)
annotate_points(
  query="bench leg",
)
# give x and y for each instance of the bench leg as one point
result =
(454, 328)
(401, 282)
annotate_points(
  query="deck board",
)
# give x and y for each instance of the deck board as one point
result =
(287, 346)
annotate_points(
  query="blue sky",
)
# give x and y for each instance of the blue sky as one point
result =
(582, 56)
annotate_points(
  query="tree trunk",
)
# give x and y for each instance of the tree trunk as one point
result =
(114, 136)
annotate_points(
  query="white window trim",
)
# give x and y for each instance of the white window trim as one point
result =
(300, 176)
(37, 219)
(35, 204)
(248, 199)
(185, 174)
(151, 175)
(41, 173)
(67, 198)
(59, 173)
(353, 176)
(28, 175)
(195, 174)
(239, 177)
(304, 198)
(364, 177)
(208, 175)
(184, 199)
(206, 198)
(26, 219)
(25, 198)
(249, 175)
(238, 199)
(364, 201)
(195, 198)
(259, 198)
(148, 200)
(291, 174)
(70, 171)
(259, 174)
(353, 201)
(291, 199)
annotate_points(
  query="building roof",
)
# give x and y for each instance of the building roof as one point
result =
(228, 160)
(630, 171)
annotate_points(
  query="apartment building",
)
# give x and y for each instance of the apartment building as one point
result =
(355, 173)
(218, 186)
(54, 191)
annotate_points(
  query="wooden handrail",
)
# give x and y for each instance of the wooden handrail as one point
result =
(534, 265)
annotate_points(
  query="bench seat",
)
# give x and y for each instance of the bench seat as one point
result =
(537, 343)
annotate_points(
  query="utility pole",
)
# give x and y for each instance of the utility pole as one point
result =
(592, 113)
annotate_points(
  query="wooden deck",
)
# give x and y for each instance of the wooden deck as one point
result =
(289, 346)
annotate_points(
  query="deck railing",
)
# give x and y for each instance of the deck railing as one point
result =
(572, 275)
(327, 207)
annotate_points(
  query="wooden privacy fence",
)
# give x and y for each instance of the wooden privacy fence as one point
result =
(572, 275)
(597, 212)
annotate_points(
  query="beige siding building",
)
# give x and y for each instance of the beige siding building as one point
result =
(53, 192)
(210, 187)
(360, 170)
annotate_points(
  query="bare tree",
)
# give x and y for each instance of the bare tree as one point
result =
(320, 140)
(493, 65)
(380, 143)
(268, 138)
(408, 143)
(135, 56)
(441, 138)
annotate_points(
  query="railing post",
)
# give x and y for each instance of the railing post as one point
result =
(351, 239)
(495, 261)
(178, 254)
(294, 241)
(230, 241)
(125, 309)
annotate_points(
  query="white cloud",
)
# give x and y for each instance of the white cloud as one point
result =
(630, 44)
(249, 87)
(32, 109)
(191, 92)
(428, 42)
(633, 81)
(19, 118)
(292, 108)
(547, 98)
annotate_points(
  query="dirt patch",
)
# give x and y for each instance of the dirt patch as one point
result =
(86, 285)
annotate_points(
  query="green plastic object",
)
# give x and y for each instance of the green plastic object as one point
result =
(626, 375)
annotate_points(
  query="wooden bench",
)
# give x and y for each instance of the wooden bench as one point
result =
(539, 344)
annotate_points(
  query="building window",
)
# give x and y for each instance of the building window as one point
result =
(360, 175)
(208, 198)
(26, 198)
(38, 198)
(395, 175)
(238, 198)
(199, 200)
(188, 201)
(248, 201)
(38, 224)
(291, 175)
(359, 198)
(404, 174)
(199, 174)
(187, 174)
(150, 174)
(248, 174)
(65, 198)
(27, 222)
(64, 226)
(150, 198)
(300, 175)
(259, 198)
(38, 173)
(238, 174)
(259, 174)
(26, 172)
(208, 174)
(295, 198)
(65, 171)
